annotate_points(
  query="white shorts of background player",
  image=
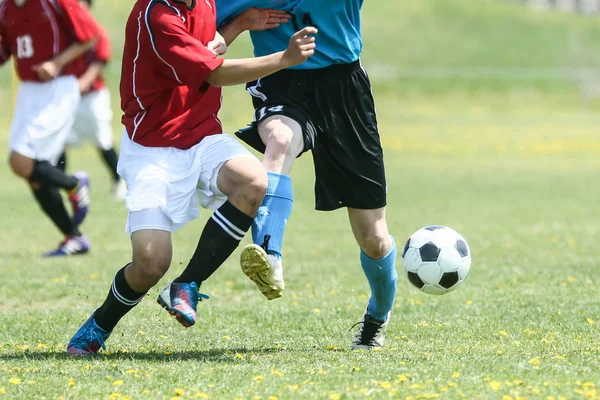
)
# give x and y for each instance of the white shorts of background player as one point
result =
(93, 121)
(44, 116)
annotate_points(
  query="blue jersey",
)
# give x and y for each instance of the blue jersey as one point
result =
(338, 41)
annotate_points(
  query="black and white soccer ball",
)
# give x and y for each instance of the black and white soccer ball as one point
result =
(436, 259)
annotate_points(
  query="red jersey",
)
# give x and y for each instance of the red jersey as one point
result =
(164, 96)
(39, 30)
(101, 52)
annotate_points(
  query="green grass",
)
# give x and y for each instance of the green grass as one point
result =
(516, 172)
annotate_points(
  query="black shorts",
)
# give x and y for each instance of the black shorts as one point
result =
(335, 108)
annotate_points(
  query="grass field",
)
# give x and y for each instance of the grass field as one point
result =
(512, 167)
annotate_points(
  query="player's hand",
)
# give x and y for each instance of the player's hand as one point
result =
(84, 86)
(302, 45)
(46, 71)
(218, 45)
(259, 19)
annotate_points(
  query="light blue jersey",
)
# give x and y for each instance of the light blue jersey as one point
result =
(338, 42)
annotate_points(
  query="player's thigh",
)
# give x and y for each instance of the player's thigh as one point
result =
(370, 231)
(244, 181)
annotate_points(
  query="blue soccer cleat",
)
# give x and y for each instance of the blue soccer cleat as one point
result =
(80, 198)
(71, 246)
(180, 300)
(88, 339)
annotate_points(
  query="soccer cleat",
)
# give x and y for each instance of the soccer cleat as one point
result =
(264, 269)
(371, 333)
(180, 300)
(119, 190)
(88, 339)
(71, 246)
(80, 198)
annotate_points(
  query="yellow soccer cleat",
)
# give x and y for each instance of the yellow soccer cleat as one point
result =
(263, 269)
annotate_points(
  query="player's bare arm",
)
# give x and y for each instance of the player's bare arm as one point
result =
(50, 69)
(253, 19)
(88, 78)
(234, 72)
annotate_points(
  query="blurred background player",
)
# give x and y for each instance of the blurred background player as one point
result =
(174, 156)
(324, 105)
(94, 115)
(45, 37)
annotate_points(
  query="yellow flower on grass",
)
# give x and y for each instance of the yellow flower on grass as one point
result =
(259, 378)
(423, 323)
(14, 381)
(273, 398)
(495, 385)
(2, 390)
(179, 392)
(455, 375)
(40, 346)
(118, 382)
(534, 361)
(131, 371)
(415, 386)
(226, 337)
(22, 347)
(317, 310)
(276, 372)
(507, 397)
(503, 333)
(402, 378)
(71, 382)
(114, 396)
(201, 395)
(334, 396)
(93, 276)
(238, 355)
(590, 321)
(386, 385)
(469, 302)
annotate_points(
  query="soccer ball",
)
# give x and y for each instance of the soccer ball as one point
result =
(436, 259)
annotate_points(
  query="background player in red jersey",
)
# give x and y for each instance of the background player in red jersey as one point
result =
(93, 119)
(173, 154)
(44, 37)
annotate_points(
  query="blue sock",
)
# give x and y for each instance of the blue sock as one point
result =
(273, 213)
(382, 277)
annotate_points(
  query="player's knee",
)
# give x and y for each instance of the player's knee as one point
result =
(284, 142)
(376, 244)
(151, 265)
(255, 190)
(20, 165)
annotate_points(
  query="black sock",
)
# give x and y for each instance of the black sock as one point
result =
(47, 174)
(120, 300)
(62, 162)
(220, 237)
(52, 204)
(111, 159)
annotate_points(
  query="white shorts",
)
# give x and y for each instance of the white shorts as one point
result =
(44, 115)
(93, 121)
(173, 181)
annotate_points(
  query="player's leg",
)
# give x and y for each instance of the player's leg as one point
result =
(152, 252)
(240, 183)
(262, 261)
(378, 260)
(282, 131)
(46, 180)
